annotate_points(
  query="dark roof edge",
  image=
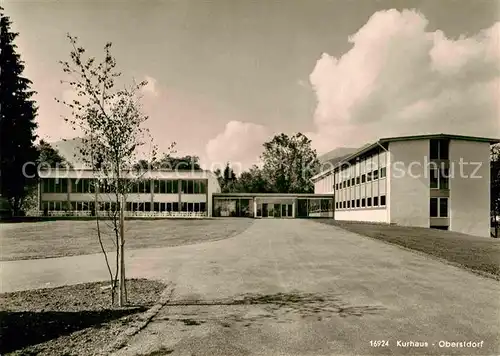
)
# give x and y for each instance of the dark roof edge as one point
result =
(442, 136)
(381, 141)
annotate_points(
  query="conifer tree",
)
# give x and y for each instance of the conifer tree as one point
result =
(18, 153)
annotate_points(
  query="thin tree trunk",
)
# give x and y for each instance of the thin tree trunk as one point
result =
(113, 284)
(122, 295)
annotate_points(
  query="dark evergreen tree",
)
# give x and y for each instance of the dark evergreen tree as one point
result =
(48, 156)
(17, 122)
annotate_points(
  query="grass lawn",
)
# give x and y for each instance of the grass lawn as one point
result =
(69, 320)
(33, 240)
(475, 253)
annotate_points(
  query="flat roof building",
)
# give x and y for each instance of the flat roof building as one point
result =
(438, 181)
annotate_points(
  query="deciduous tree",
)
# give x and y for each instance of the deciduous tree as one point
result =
(112, 124)
(289, 163)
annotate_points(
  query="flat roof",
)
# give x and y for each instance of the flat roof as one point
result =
(380, 142)
(151, 174)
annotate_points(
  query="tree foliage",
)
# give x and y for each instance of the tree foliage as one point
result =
(112, 124)
(227, 179)
(289, 163)
(17, 122)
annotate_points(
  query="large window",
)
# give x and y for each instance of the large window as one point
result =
(438, 207)
(193, 186)
(439, 149)
(82, 185)
(53, 185)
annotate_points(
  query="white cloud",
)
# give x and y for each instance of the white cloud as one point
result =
(240, 143)
(398, 79)
(150, 88)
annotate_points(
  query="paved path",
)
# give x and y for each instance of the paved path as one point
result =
(360, 290)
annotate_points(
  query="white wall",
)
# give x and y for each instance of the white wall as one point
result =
(408, 183)
(469, 196)
(213, 187)
(371, 215)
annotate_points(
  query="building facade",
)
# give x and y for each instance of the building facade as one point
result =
(169, 194)
(156, 193)
(271, 205)
(438, 181)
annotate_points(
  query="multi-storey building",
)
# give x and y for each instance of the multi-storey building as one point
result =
(169, 194)
(156, 193)
(438, 181)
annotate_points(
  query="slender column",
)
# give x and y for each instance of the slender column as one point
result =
(293, 208)
(254, 207)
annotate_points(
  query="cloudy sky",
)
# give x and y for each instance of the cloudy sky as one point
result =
(225, 75)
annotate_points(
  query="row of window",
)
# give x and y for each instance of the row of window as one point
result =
(368, 177)
(361, 203)
(130, 206)
(438, 207)
(159, 186)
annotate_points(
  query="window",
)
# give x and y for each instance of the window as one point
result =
(382, 200)
(169, 206)
(156, 206)
(352, 181)
(348, 183)
(433, 207)
(128, 207)
(202, 186)
(443, 207)
(375, 201)
(357, 180)
(434, 149)
(363, 202)
(343, 204)
(163, 186)
(353, 203)
(369, 177)
(175, 206)
(190, 186)
(382, 172)
(147, 206)
(203, 207)
(156, 186)
(363, 178)
(444, 179)
(375, 174)
(357, 203)
(147, 186)
(439, 178)
(439, 149)
(348, 204)
(369, 202)
(336, 186)
(434, 180)
(183, 186)
(344, 183)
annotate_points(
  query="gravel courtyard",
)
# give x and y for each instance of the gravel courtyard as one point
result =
(294, 287)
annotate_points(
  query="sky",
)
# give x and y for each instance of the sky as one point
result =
(226, 75)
